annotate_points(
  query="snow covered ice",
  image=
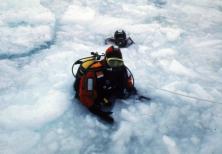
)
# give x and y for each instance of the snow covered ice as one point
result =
(178, 48)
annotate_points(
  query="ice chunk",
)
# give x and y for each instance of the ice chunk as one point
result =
(46, 109)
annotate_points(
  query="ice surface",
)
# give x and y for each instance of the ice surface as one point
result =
(171, 145)
(178, 48)
(19, 23)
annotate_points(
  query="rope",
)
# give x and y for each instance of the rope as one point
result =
(187, 96)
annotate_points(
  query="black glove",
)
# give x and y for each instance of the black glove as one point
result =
(133, 91)
(106, 116)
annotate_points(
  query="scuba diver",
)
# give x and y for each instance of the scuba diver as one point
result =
(120, 39)
(100, 82)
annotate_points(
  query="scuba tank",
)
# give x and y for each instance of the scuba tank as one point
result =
(85, 64)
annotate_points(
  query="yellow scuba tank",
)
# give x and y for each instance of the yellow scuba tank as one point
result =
(85, 64)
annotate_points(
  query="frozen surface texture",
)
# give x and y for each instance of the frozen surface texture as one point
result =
(178, 48)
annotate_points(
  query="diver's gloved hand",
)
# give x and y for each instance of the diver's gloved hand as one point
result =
(133, 91)
(128, 92)
(106, 116)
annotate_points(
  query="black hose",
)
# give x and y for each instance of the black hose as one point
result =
(131, 75)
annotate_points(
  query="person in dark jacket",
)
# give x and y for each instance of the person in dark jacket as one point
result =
(120, 39)
(103, 82)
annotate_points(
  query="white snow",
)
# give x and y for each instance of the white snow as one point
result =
(178, 68)
(79, 14)
(22, 21)
(178, 50)
(171, 145)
